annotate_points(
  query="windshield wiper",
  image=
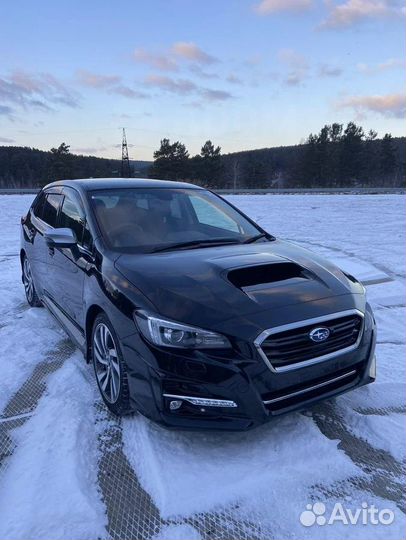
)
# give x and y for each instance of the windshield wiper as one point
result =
(255, 238)
(197, 244)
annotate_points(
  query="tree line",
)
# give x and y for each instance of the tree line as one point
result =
(337, 156)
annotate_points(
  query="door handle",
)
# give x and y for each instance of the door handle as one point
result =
(51, 251)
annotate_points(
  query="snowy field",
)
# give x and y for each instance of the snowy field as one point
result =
(69, 470)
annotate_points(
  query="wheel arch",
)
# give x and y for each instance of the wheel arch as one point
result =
(22, 255)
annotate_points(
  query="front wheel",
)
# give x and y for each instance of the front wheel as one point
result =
(109, 367)
(28, 281)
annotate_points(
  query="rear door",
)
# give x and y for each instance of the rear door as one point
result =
(44, 215)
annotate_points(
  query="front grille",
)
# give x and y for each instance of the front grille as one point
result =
(288, 347)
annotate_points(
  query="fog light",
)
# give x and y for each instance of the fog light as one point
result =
(205, 402)
(175, 405)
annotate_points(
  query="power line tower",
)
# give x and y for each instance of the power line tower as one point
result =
(125, 161)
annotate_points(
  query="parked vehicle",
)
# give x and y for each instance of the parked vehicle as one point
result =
(190, 312)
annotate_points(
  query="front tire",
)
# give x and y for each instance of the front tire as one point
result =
(28, 281)
(109, 366)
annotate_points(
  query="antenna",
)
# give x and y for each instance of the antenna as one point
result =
(125, 161)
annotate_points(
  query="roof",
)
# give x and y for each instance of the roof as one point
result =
(87, 184)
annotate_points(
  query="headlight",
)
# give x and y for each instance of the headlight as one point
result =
(171, 334)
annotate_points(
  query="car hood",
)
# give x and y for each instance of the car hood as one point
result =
(207, 286)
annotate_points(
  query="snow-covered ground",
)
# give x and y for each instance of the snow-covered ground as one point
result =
(351, 450)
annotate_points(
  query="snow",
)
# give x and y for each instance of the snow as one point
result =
(178, 532)
(228, 473)
(49, 488)
(380, 431)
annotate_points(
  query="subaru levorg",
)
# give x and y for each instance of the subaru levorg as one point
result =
(191, 313)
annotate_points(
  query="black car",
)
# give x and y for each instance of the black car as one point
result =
(190, 312)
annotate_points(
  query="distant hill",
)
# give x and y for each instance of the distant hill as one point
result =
(287, 166)
(29, 167)
(367, 163)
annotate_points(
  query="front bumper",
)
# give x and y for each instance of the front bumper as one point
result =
(198, 390)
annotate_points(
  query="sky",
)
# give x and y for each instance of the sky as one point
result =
(243, 73)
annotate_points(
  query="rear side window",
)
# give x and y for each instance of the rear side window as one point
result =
(50, 210)
(38, 205)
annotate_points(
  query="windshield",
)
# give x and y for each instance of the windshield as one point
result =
(146, 220)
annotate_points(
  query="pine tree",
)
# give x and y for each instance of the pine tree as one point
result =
(387, 158)
(351, 162)
(60, 164)
(170, 161)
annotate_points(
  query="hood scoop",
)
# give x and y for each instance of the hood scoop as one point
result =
(267, 276)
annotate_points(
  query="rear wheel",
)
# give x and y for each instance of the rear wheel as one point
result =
(109, 366)
(28, 281)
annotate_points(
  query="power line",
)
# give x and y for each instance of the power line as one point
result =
(125, 161)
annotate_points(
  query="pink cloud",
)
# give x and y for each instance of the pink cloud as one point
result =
(267, 7)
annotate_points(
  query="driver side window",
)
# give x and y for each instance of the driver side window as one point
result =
(72, 216)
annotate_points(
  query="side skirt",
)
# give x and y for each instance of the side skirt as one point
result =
(71, 328)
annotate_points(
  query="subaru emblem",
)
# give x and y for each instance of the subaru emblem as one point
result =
(319, 334)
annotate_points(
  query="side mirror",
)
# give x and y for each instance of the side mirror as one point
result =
(61, 238)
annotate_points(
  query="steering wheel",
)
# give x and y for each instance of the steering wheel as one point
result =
(120, 232)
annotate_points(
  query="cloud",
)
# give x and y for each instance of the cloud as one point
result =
(391, 63)
(128, 92)
(297, 65)
(93, 80)
(267, 7)
(89, 150)
(233, 79)
(172, 59)
(185, 87)
(191, 52)
(215, 95)
(197, 70)
(110, 83)
(325, 70)
(6, 140)
(390, 105)
(176, 86)
(7, 111)
(351, 12)
(253, 61)
(119, 145)
(37, 91)
(162, 62)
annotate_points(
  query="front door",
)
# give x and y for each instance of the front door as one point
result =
(67, 266)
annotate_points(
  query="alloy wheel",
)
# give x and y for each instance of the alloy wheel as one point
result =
(106, 363)
(28, 281)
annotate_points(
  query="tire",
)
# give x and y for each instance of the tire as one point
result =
(28, 282)
(109, 367)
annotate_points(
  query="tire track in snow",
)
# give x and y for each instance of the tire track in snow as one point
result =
(48, 487)
(24, 401)
(26, 398)
(380, 411)
(352, 255)
(385, 475)
(131, 511)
